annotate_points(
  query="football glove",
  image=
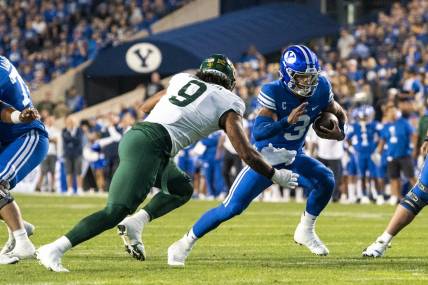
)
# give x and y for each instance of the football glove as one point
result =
(285, 178)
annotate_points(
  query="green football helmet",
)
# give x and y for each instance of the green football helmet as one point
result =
(220, 65)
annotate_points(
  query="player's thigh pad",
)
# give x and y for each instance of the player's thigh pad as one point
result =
(416, 199)
(21, 156)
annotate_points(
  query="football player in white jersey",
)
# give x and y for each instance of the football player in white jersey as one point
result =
(191, 108)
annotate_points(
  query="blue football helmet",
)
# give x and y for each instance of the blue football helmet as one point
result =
(299, 69)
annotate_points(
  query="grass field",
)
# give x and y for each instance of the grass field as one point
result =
(255, 248)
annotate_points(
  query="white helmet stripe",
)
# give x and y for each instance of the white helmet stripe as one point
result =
(304, 53)
(310, 53)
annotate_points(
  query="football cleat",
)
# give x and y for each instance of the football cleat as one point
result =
(178, 252)
(5, 259)
(131, 238)
(10, 243)
(393, 201)
(376, 249)
(306, 236)
(365, 200)
(50, 258)
(23, 250)
(380, 200)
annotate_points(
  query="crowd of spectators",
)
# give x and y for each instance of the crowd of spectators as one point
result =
(373, 64)
(45, 38)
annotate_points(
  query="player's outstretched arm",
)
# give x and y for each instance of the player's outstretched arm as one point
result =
(231, 122)
(9, 114)
(150, 103)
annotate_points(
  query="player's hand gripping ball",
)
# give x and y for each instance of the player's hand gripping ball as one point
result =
(326, 126)
(29, 115)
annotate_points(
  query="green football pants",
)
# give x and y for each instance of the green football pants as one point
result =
(144, 163)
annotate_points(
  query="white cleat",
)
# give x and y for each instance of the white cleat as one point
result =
(307, 237)
(10, 243)
(393, 201)
(178, 252)
(5, 259)
(380, 200)
(50, 258)
(365, 200)
(376, 249)
(23, 250)
(131, 237)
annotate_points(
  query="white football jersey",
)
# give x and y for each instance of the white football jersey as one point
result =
(191, 109)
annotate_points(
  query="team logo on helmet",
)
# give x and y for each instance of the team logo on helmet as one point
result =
(290, 57)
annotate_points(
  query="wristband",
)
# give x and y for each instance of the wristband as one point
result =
(14, 117)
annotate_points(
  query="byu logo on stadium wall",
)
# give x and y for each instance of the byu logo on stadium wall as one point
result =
(143, 57)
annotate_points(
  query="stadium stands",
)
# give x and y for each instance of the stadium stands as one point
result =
(46, 38)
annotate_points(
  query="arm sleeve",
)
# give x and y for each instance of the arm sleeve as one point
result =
(265, 127)
(265, 99)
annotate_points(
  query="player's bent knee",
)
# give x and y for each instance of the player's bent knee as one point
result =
(5, 196)
(182, 187)
(115, 213)
(415, 200)
(187, 191)
(328, 182)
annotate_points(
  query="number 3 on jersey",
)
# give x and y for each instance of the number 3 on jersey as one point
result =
(300, 128)
(188, 93)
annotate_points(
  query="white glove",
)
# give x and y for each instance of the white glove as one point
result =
(285, 178)
(376, 158)
(277, 156)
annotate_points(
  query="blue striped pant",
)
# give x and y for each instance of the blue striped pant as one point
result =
(314, 176)
(20, 157)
